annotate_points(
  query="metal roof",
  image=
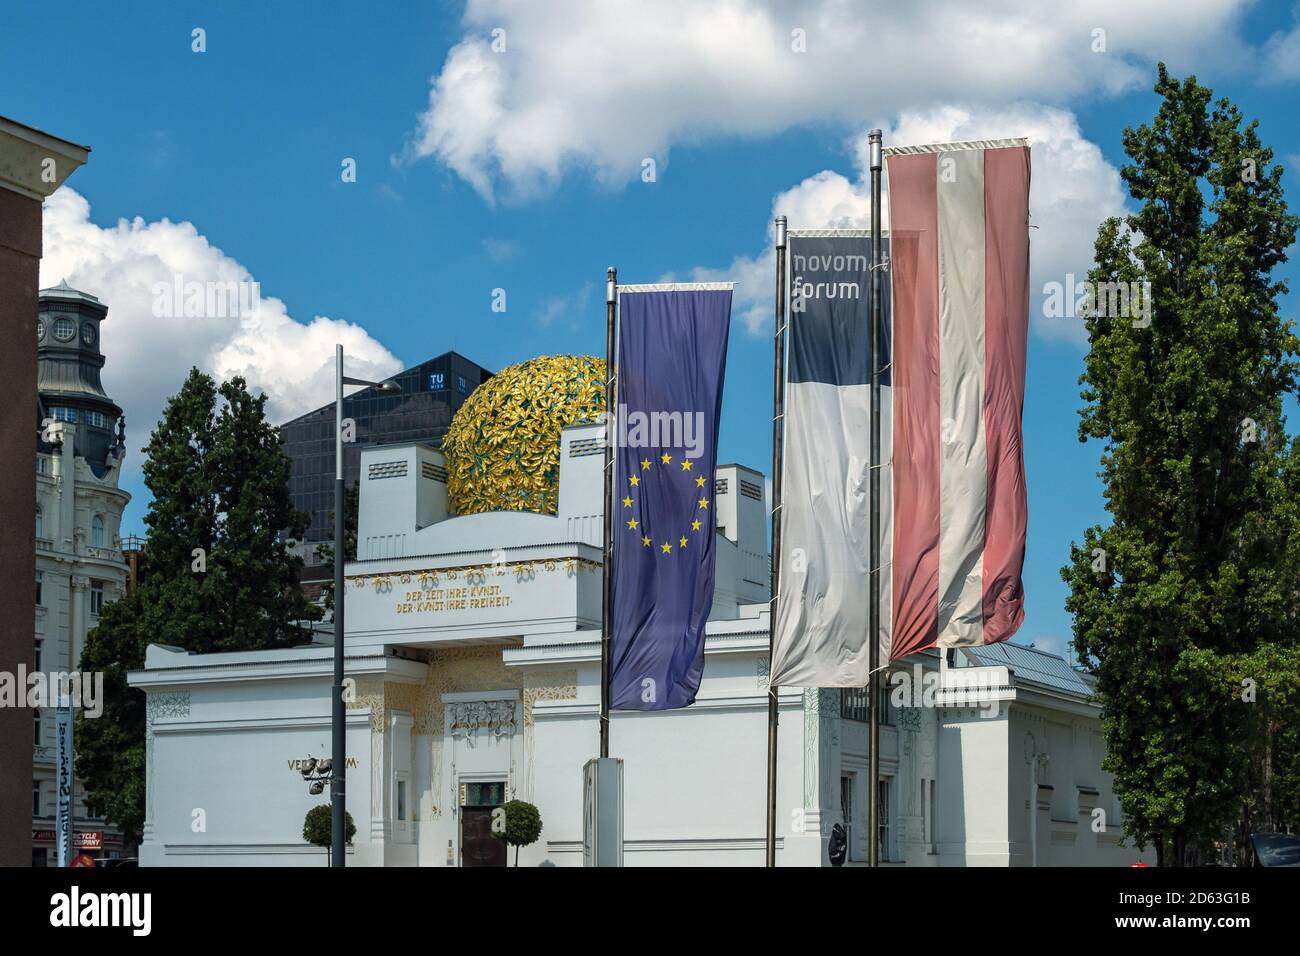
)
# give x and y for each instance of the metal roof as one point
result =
(1032, 664)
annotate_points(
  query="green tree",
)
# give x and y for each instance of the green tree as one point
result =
(517, 823)
(318, 827)
(1193, 581)
(216, 574)
(351, 507)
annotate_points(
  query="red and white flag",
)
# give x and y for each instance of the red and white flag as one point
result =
(959, 279)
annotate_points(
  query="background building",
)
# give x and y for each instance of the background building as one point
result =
(431, 394)
(80, 567)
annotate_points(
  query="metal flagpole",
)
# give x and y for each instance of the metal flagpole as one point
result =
(873, 616)
(778, 439)
(611, 423)
(338, 743)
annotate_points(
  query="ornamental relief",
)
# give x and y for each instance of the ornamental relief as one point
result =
(496, 717)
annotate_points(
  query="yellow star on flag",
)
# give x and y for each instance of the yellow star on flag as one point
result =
(699, 481)
(635, 480)
(695, 525)
(631, 525)
(627, 502)
(686, 464)
(704, 502)
(646, 541)
(666, 458)
(682, 542)
(666, 548)
(645, 464)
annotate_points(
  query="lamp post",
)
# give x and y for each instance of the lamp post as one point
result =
(338, 763)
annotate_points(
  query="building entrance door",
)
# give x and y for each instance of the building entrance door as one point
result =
(478, 846)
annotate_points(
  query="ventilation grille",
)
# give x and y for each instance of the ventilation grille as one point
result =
(586, 446)
(386, 469)
(429, 470)
(720, 486)
(751, 490)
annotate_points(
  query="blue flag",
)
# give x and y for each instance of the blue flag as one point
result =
(671, 362)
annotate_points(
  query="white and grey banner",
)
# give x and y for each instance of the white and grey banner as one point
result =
(820, 637)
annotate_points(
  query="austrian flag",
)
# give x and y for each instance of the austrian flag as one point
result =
(959, 276)
(952, 374)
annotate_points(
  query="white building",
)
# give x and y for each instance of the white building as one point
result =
(79, 560)
(474, 648)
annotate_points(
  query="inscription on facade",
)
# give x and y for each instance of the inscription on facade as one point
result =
(471, 597)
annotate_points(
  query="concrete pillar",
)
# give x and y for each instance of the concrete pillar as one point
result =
(32, 165)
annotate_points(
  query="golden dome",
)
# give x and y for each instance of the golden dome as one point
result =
(503, 446)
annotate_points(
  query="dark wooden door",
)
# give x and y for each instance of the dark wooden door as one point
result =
(478, 847)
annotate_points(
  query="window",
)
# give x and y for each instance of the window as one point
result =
(97, 531)
(846, 809)
(36, 728)
(61, 414)
(925, 817)
(96, 598)
(401, 800)
(64, 329)
(38, 652)
(934, 843)
(40, 523)
(36, 798)
(96, 418)
(883, 811)
(854, 700)
(40, 581)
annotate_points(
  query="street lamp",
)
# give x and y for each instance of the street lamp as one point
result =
(338, 765)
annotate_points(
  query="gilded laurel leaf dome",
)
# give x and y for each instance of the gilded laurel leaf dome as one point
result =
(503, 446)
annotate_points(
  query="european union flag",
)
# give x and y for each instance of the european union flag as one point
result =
(671, 362)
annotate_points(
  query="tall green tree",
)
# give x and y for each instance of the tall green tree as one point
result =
(351, 510)
(216, 576)
(1192, 586)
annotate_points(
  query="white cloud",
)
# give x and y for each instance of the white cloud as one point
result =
(1282, 55)
(148, 355)
(1072, 189)
(501, 250)
(595, 86)
(574, 307)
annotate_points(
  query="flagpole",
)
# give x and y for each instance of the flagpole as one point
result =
(778, 440)
(607, 581)
(873, 617)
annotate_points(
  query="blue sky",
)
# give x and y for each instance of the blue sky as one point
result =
(522, 168)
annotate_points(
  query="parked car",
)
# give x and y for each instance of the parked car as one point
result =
(1275, 849)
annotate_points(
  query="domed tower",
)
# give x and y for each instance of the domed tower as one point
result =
(80, 567)
(67, 377)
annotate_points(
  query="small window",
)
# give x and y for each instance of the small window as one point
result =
(40, 523)
(97, 531)
(401, 800)
(96, 598)
(40, 582)
(934, 843)
(38, 652)
(36, 728)
(61, 414)
(36, 798)
(883, 814)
